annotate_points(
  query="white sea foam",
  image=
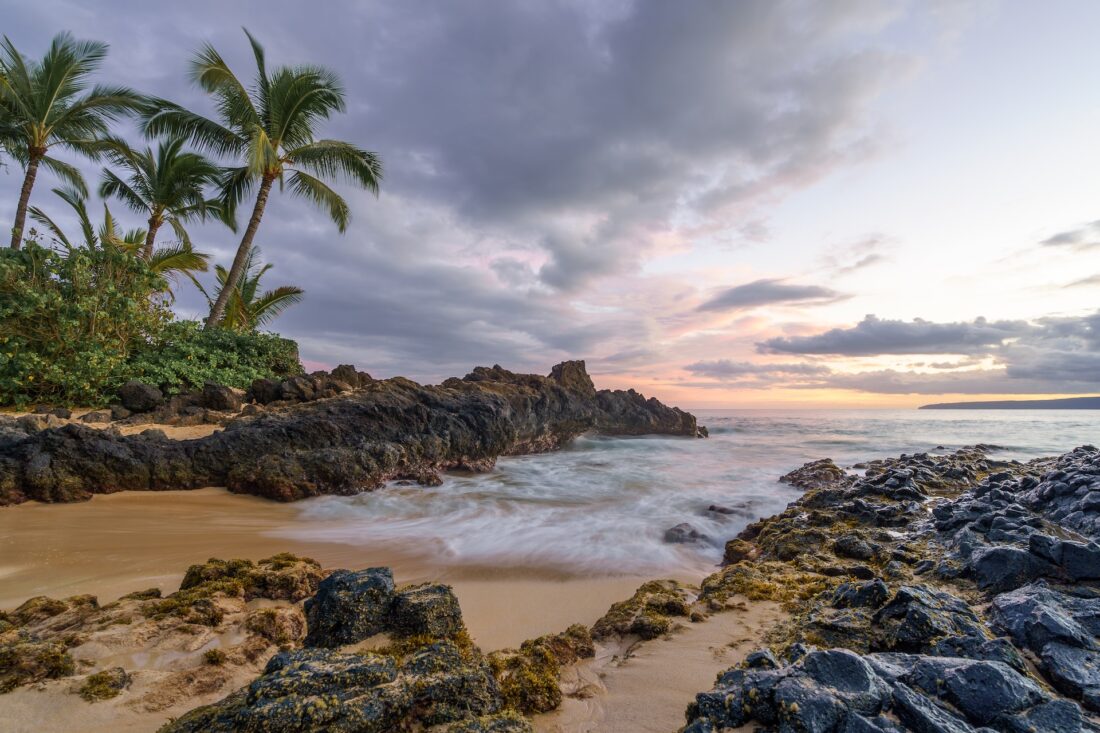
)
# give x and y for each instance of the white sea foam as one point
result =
(603, 504)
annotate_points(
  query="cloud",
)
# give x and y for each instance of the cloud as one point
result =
(1084, 237)
(858, 255)
(978, 381)
(1085, 282)
(727, 369)
(768, 292)
(873, 336)
(537, 154)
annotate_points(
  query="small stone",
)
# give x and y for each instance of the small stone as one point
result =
(684, 534)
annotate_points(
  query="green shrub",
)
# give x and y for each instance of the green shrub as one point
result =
(76, 325)
(69, 320)
(183, 355)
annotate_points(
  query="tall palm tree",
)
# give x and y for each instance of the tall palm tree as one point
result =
(269, 129)
(168, 186)
(170, 262)
(50, 103)
(246, 307)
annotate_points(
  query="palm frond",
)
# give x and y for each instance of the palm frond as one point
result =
(314, 190)
(68, 173)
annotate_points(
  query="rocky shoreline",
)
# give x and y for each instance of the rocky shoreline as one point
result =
(320, 434)
(934, 593)
(928, 593)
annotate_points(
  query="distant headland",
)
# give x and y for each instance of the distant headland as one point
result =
(1071, 403)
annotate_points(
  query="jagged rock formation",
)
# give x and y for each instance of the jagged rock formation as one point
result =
(934, 593)
(345, 444)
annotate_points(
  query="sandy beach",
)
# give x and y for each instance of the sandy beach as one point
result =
(120, 543)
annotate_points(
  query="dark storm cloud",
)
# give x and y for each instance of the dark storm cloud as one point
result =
(1084, 237)
(531, 149)
(874, 336)
(768, 292)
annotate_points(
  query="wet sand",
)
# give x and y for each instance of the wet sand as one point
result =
(646, 688)
(119, 543)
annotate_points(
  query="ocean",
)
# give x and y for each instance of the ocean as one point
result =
(602, 505)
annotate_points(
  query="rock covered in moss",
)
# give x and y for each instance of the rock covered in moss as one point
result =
(316, 690)
(281, 625)
(349, 607)
(816, 475)
(529, 675)
(506, 722)
(105, 685)
(25, 659)
(282, 577)
(430, 609)
(649, 613)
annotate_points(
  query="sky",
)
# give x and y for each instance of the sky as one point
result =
(859, 203)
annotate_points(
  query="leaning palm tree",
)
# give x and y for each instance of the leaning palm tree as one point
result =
(170, 262)
(269, 128)
(246, 307)
(50, 103)
(168, 186)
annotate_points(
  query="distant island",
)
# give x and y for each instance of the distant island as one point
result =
(1071, 403)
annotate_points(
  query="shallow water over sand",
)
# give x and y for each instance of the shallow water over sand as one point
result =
(603, 504)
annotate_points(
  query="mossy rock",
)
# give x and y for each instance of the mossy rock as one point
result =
(24, 660)
(281, 626)
(38, 608)
(765, 581)
(429, 609)
(648, 613)
(280, 577)
(529, 676)
(506, 722)
(105, 685)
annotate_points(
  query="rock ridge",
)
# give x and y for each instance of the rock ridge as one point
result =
(343, 444)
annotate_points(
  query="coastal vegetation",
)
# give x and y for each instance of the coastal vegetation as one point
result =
(87, 307)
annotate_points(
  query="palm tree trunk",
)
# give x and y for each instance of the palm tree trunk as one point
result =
(24, 199)
(237, 269)
(150, 237)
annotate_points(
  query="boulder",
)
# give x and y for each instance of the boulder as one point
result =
(265, 391)
(349, 607)
(222, 398)
(139, 397)
(853, 546)
(430, 609)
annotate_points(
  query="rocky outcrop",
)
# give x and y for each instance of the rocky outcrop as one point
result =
(933, 593)
(344, 444)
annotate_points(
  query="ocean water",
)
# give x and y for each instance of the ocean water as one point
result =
(602, 505)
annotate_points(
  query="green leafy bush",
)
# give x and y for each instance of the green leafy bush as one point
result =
(183, 355)
(69, 321)
(75, 325)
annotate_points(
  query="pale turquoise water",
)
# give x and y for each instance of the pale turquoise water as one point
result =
(602, 505)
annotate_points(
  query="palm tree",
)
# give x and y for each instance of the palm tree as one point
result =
(246, 308)
(269, 128)
(170, 262)
(167, 186)
(49, 103)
